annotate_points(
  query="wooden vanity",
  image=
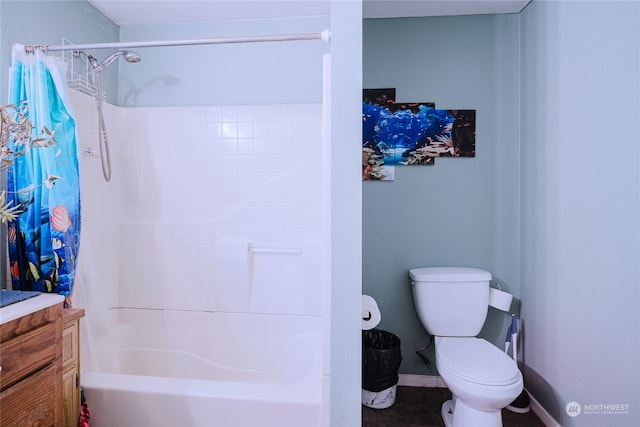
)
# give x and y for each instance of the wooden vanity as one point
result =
(39, 363)
(71, 365)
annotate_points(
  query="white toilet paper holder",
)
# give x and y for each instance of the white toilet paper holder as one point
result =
(500, 299)
(370, 313)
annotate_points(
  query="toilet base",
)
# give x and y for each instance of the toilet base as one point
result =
(447, 413)
(457, 414)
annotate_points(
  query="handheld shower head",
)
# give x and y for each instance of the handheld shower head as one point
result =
(93, 76)
(132, 57)
(129, 56)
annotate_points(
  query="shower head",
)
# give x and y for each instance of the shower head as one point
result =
(129, 56)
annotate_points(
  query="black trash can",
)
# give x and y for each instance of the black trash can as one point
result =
(381, 357)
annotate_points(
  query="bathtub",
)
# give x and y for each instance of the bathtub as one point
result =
(181, 369)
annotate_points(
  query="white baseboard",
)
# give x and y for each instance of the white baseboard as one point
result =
(411, 380)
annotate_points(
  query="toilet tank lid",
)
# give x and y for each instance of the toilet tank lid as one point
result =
(449, 274)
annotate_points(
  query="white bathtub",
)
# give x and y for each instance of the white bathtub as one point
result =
(183, 369)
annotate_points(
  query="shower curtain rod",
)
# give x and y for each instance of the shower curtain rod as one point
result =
(323, 35)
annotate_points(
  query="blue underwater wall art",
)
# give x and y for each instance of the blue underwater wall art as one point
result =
(410, 134)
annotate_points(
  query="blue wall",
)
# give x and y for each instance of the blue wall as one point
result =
(460, 211)
(287, 72)
(47, 22)
(580, 204)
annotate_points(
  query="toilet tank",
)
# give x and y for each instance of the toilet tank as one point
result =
(451, 301)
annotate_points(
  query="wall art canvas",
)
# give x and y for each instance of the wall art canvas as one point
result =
(441, 133)
(377, 156)
(409, 133)
(398, 134)
(463, 133)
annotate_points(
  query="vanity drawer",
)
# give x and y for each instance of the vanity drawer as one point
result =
(32, 402)
(27, 353)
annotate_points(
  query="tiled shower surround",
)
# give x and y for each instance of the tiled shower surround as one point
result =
(212, 208)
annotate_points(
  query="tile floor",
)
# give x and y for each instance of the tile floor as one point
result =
(420, 407)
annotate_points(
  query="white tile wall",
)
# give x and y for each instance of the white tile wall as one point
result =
(182, 180)
(195, 176)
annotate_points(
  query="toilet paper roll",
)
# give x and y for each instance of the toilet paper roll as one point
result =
(500, 299)
(370, 313)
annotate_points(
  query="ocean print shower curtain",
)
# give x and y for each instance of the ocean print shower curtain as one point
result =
(44, 182)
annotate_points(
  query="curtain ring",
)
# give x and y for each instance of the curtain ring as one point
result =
(31, 49)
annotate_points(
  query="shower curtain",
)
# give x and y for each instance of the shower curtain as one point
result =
(43, 240)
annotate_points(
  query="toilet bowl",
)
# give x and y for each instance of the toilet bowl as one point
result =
(482, 380)
(452, 304)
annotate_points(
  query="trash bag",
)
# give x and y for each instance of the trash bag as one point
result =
(381, 357)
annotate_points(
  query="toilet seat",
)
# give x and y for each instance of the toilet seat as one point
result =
(477, 361)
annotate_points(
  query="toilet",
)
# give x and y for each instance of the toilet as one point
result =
(452, 304)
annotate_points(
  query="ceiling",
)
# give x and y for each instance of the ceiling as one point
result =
(134, 12)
